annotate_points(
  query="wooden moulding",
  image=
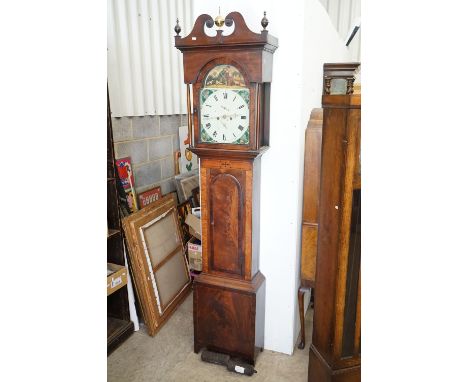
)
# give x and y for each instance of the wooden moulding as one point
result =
(242, 35)
(247, 286)
(160, 269)
(217, 153)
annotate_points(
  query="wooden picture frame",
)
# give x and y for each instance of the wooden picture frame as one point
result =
(183, 210)
(196, 197)
(157, 259)
(185, 183)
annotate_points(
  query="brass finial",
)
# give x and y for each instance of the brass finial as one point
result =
(219, 20)
(177, 27)
(264, 21)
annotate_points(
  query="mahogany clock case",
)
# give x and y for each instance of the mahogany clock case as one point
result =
(251, 53)
(229, 294)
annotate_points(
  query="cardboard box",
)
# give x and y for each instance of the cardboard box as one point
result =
(194, 225)
(116, 277)
(194, 249)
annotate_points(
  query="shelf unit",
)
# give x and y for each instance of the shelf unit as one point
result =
(119, 326)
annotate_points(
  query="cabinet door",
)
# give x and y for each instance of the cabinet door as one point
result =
(226, 220)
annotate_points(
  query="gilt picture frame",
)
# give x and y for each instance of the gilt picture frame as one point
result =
(157, 259)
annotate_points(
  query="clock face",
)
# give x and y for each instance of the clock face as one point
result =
(224, 115)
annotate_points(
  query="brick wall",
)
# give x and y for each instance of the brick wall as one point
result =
(150, 141)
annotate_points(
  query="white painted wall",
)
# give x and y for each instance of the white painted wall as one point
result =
(307, 39)
(343, 15)
(322, 44)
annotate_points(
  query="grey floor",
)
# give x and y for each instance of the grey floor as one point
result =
(169, 356)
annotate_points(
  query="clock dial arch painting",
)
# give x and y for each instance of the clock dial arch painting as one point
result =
(225, 104)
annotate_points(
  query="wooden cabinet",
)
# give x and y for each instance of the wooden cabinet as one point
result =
(119, 326)
(310, 208)
(335, 353)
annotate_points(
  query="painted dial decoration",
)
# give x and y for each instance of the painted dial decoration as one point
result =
(224, 107)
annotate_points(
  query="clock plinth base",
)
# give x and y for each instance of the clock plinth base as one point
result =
(229, 315)
(320, 371)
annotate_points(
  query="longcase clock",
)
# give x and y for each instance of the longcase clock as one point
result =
(228, 80)
(335, 353)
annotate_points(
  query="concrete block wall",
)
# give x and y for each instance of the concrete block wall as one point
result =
(150, 141)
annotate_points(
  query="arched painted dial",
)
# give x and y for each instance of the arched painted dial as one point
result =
(224, 115)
